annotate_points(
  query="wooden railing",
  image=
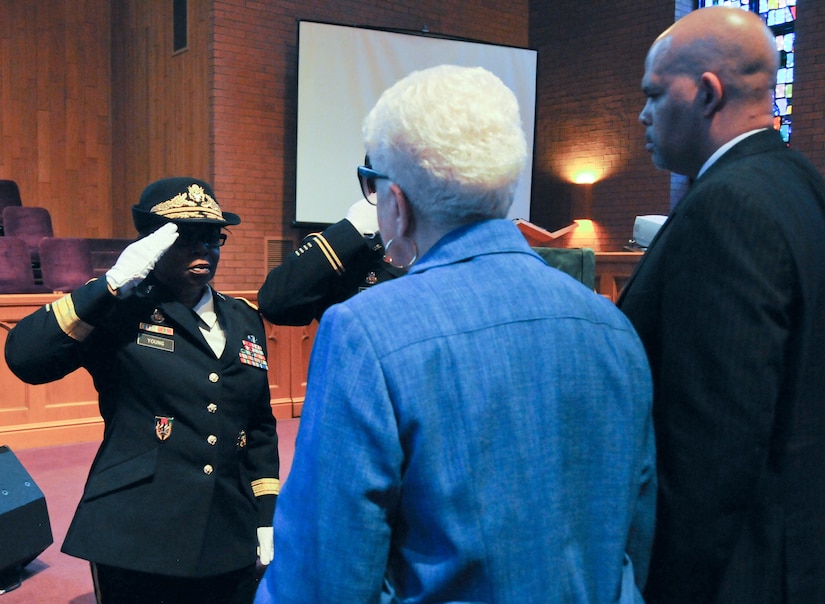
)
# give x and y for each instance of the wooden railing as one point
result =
(66, 411)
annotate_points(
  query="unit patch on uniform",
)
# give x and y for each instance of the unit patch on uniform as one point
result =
(252, 353)
(163, 427)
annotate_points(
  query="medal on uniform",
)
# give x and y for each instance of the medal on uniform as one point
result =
(252, 353)
(165, 330)
(163, 427)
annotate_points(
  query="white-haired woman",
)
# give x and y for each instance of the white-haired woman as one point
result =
(479, 429)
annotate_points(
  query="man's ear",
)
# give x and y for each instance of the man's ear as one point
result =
(401, 212)
(711, 91)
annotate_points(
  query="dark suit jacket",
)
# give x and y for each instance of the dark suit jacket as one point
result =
(189, 460)
(730, 303)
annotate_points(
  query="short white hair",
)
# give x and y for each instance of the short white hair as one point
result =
(451, 137)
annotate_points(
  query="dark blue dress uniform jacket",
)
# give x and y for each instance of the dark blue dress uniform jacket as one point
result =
(188, 465)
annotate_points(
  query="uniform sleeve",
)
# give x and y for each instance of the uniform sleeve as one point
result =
(46, 345)
(313, 277)
(264, 461)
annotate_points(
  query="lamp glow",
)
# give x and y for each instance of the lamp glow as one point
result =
(585, 177)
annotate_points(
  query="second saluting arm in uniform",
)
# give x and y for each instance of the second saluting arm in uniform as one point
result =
(328, 267)
(184, 484)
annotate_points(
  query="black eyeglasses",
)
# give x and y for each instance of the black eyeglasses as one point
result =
(208, 239)
(367, 177)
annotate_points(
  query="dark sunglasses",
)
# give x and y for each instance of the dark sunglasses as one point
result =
(367, 177)
(209, 239)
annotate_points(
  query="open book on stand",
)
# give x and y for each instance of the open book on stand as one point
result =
(537, 236)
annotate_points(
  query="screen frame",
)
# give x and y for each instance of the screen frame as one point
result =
(366, 61)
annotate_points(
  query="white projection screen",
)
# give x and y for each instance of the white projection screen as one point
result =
(342, 70)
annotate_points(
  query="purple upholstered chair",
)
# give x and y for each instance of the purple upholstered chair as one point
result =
(31, 224)
(9, 196)
(16, 276)
(65, 263)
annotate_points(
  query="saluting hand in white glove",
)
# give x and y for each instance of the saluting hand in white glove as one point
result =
(135, 262)
(363, 216)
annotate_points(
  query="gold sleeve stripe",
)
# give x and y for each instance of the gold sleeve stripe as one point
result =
(68, 320)
(266, 486)
(332, 257)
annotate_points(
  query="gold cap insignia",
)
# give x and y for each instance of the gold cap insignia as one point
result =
(195, 203)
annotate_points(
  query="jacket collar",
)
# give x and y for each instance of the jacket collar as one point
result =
(760, 142)
(155, 293)
(472, 240)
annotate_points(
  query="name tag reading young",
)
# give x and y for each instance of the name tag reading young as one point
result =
(154, 341)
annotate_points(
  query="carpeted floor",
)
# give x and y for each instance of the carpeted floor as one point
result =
(60, 472)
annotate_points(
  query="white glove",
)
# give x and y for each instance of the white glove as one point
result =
(135, 262)
(363, 216)
(266, 547)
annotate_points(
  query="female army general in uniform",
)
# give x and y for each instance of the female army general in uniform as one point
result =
(186, 476)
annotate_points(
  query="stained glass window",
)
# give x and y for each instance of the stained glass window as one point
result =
(780, 16)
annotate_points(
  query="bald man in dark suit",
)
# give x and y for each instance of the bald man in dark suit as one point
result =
(730, 304)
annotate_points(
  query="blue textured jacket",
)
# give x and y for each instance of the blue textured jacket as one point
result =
(478, 430)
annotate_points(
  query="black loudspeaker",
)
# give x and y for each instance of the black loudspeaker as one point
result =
(25, 530)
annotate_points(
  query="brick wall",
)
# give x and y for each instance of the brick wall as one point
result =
(255, 98)
(808, 127)
(589, 98)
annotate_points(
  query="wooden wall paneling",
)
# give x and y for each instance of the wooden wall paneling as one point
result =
(66, 410)
(55, 86)
(613, 269)
(130, 113)
(302, 341)
(41, 415)
(14, 403)
(161, 104)
(278, 349)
